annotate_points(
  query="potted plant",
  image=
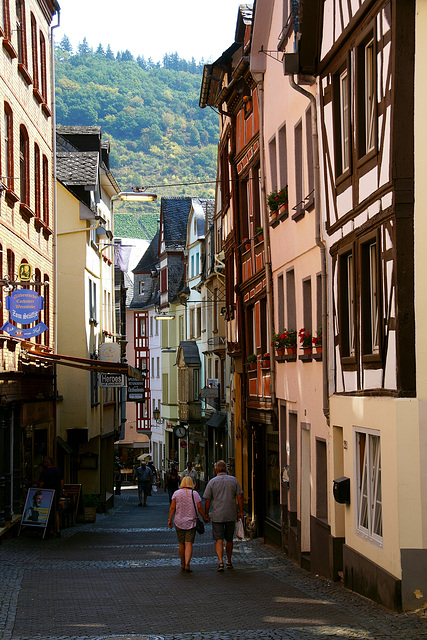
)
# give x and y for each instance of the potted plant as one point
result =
(91, 503)
(277, 199)
(317, 340)
(246, 243)
(279, 342)
(306, 340)
(265, 362)
(252, 361)
(259, 232)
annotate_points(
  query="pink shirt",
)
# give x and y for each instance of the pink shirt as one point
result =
(185, 514)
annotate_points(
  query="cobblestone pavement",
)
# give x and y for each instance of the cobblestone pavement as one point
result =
(119, 579)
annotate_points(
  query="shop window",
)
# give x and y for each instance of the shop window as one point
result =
(369, 521)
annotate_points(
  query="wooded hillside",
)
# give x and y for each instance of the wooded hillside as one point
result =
(150, 114)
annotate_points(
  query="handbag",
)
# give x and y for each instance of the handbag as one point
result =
(200, 527)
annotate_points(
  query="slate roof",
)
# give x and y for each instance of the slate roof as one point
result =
(129, 288)
(73, 130)
(190, 352)
(175, 213)
(77, 168)
(150, 257)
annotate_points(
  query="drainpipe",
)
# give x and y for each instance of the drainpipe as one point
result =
(267, 253)
(320, 244)
(55, 222)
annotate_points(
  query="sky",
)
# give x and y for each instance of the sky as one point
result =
(151, 28)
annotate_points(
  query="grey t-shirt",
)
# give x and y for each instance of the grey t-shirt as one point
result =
(222, 491)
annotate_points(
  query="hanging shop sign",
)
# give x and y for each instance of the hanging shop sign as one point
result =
(108, 380)
(136, 390)
(109, 351)
(25, 271)
(24, 306)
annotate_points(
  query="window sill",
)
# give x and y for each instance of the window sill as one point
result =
(309, 203)
(9, 48)
(25, 211)
(342, 177)
(284, 215)
(38, 96)
(41, 224)
(299, 213)
(46, 110)
(25, 73)
(366, 157)
(11, 197)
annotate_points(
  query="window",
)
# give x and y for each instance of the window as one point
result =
(198, 322)
(192, 328)
(192, 267)
(368, 486)
(45, 191)
(307, 305)
(165, 388)
(46, 307)
(24, 166)
(152, 367)
(299, 171)
(197, 264)
(273, 163)
(157, 367)
(309, 199)
(196, 384)
(341, 87)
(283, 157)
(280, 304)
(347, 305)
(256, 197)
(366, 103)
(92, 302)
(8, 146)
(34, 52)
(224, 176)
(37, 182)
(156, 325)
(291, 301)
(20, 32)
(43, 71)
(6, 18)
(94, 399)
(370, 299)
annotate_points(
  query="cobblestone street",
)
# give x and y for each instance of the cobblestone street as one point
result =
(120, 578)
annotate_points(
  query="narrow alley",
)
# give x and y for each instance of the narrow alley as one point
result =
(120, 578)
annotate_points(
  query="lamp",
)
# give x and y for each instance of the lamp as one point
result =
(144, 196)
(164, 316)
(156, 416)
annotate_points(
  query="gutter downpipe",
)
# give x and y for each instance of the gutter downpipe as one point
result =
(259, 78)
(320, 244)
(55, 222)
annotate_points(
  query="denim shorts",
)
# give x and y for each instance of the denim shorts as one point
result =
(223, 530)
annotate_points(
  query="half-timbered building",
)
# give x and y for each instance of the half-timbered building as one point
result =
(366, 99)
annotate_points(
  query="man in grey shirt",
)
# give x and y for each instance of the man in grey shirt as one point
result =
(222, 491)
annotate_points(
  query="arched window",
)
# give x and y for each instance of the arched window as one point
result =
(45, 191)
(8, 146)
(43, 76)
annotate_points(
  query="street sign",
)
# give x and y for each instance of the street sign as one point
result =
(109, 380)
(136, 390)
(183, 444)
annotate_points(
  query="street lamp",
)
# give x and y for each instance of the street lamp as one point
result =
(142, 196)
(156, 415)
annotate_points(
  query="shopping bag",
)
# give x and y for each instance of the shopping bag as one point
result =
(239, 531)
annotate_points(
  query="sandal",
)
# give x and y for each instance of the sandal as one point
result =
(187, 569)
(220, 567)
(229, 565)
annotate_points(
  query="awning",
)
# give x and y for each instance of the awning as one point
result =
(86, 364)
(218, 421)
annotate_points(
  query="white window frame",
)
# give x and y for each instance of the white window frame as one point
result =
(368, 488)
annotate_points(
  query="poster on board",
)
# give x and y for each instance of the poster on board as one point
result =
(37, 508)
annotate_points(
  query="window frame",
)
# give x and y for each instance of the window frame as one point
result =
(342, 121)
(368, 485)
(364, 151)
(370, 281)
(347, 307)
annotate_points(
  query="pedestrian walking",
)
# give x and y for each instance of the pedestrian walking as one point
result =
(51, 478)
(172, 481)
(183, 506)
(222, 491)
(144, 475)
(190, 471)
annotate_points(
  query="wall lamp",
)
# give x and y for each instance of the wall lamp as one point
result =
(156, 416)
